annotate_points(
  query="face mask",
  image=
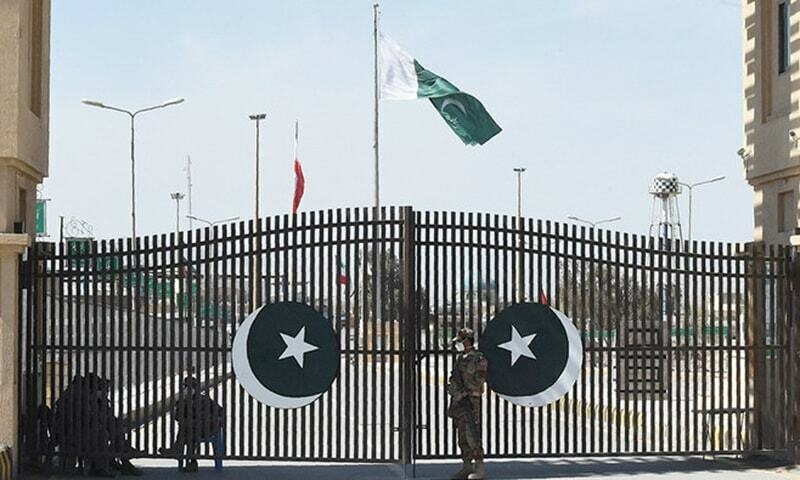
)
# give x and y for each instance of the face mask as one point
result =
(459, 347)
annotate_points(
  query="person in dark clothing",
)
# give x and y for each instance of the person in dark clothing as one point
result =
(116, 430)
(466, 387)
(76, 432)
(37, 438)
(87, 432)
(199, 418)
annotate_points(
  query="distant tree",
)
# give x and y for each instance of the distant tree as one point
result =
(601, 297)
(391, 284)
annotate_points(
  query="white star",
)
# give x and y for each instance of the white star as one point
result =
(519, 346)
(297, 346)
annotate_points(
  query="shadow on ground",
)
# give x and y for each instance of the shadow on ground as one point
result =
(586, 468)
(511, 470)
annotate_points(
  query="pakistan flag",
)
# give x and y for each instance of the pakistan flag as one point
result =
(403, 78)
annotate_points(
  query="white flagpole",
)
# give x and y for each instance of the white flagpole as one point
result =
(378, 267)
(294, 157)
(291, 258)
(296, 129)
(377, 95)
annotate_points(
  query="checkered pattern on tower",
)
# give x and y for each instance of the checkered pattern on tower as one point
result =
(665, 184)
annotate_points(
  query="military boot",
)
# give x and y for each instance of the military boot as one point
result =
(465, 471)
(479, 473)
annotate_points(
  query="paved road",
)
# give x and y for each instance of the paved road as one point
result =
(607, 469)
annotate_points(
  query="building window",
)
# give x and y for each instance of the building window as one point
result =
(36, 56)
(783, 37)
(786, 212)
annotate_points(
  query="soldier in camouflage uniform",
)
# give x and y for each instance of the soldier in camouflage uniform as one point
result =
(465, 387)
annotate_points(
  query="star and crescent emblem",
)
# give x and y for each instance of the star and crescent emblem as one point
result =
(286, 354)
(535, 354)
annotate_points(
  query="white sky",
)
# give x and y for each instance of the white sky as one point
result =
(595, 97)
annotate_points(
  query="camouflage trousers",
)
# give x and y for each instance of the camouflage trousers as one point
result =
(469, 431)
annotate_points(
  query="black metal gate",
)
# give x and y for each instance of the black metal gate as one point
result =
(688, 348)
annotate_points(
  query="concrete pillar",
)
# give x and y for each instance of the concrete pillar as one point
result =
(11, 246)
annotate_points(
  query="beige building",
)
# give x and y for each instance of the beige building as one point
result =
(771, 152)
(24, 112)
(24, 108)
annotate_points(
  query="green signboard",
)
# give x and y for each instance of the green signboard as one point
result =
(78, 247)
(41, 218)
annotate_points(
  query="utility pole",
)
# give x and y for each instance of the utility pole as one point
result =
(189, 189)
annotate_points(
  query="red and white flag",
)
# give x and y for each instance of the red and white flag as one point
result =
(299, 179)
(543, 298)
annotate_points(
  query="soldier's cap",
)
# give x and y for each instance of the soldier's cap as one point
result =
(464, 334)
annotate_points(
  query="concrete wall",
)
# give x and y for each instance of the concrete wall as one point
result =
(772, 165)
(24, 128)
(11, 246)
(24, 138)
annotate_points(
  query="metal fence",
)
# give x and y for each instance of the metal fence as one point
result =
(686, 345)
(688, 348)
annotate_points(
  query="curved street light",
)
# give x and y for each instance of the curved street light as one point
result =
(690, 186)
(132, 115)
(595, 223)
(211, 223)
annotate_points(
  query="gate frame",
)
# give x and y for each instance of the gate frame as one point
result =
(409, 374)
(409, 348)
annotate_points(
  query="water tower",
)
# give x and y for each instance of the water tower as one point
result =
(639, 365)
(665, 217)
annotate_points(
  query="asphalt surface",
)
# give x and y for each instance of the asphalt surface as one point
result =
(616, 468)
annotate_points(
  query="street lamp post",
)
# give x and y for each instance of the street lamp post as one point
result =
(595, 223)
(519, 171)
(520, 260)
(177, 196)
(132, 115)
(257, 117)
(211, 223)
(691, 186)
